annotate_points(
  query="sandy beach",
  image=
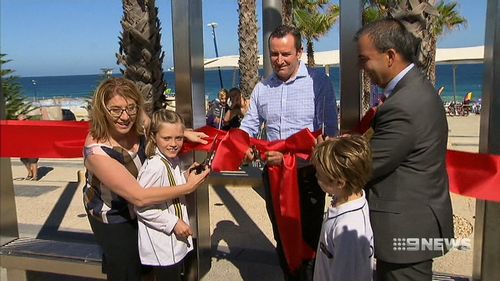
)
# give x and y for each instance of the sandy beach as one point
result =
(242, 240)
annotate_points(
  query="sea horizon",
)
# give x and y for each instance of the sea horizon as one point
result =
(77, 88)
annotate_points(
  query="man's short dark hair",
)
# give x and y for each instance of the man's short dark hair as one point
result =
(391, 34)
(283, 30)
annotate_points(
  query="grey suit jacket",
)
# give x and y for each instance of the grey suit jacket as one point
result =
(408, 194)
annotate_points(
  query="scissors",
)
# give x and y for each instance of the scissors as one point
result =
(207, 162)
(257, 160)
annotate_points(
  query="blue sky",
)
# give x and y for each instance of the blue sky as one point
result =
(63, 37)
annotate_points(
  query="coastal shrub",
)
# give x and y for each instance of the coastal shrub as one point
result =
(15, 102)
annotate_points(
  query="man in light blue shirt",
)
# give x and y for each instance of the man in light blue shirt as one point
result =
(292, 99)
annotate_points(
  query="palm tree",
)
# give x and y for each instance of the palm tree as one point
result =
(448, 20)
(140, 50)
(432, 21)
(287, 11)
(15, 102)
(249, 52)
(419, 17)
(313, 24)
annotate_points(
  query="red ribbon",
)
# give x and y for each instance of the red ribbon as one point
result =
(474, 174)
(42, 139)
(286, 197)
(283, 180)
(471, 174)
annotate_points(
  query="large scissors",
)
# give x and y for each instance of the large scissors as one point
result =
(207, 162)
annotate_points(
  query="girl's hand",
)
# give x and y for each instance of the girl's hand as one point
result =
(182, 230)
(195, 180)
(194, 165)
(194, 136)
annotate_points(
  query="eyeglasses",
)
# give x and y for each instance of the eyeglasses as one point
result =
(116, 112)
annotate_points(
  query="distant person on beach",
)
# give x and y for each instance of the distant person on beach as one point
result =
(164, 231)
(408, 192)
(294, 97)
(345, 250)
(114, 152)
(31, 164)
(216, 112)
(232, 118)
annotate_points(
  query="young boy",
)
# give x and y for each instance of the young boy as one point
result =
(345, 251)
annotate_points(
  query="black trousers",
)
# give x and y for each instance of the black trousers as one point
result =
(312, 204)
(421, 271)
(121, 261)
(168, 273)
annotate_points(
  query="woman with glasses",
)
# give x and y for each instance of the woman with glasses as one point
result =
(113, 154)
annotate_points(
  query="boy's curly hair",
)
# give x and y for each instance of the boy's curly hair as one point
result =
(347, 158)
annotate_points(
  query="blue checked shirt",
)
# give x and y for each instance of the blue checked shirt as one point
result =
(288, 107)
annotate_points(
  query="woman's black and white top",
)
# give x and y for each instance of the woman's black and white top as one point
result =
(99, 201)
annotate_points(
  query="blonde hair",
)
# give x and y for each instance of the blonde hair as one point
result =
(347, 158)
(223, 93)
(99, 128)
(159, 117)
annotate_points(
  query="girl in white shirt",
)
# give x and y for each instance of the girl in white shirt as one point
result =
(164, 231)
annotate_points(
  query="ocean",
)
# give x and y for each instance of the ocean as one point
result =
(75, 88)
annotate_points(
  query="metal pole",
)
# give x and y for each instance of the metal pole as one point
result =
(34, 88)
(8, 216)
(487, 224)
(454, 85)
(350, 78)
(214, 25)
(271, 18)
(190, 104)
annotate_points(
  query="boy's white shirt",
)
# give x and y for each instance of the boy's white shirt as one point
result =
(158, 245)
(345, 250)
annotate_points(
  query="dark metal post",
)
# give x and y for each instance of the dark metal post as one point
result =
(271, 18)
(8, 216)
(190, 104)
(487, 224)
(350, 78)
(213, 25)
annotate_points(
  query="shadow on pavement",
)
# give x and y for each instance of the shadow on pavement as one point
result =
(248, 248)
(43, 171)
(50, 229)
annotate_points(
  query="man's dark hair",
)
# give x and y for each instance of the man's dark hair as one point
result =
(283, 30)
(391, 34)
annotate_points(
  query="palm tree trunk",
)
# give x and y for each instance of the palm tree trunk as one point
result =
(367, 93)
(310, 53)
(140, 50)
(428, 48)
(287, 12)
(432, 67)
(249, 58)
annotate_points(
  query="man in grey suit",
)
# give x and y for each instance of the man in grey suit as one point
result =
(410, 206)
